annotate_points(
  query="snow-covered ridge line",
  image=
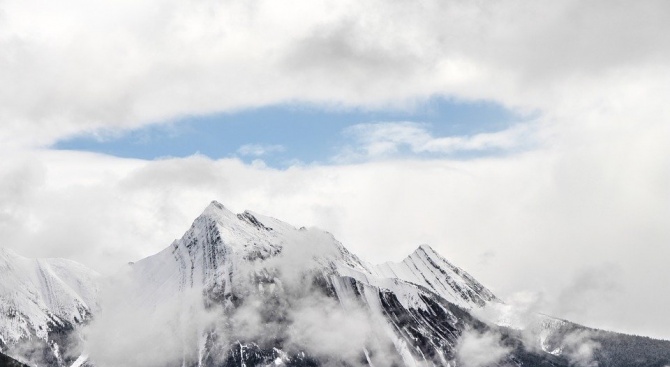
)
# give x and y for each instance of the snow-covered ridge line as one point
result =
(425, 267)
(221, 246)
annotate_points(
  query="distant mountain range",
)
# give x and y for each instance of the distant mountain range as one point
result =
(249, 290)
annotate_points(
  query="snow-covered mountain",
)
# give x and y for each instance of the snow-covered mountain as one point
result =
(41, 300)
(249, 290)
(234, 258)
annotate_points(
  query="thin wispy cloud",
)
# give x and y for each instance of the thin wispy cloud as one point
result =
(257, 150)
(475, 349)
(390, 139)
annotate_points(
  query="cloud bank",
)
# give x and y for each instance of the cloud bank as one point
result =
(476, 349)
(80, 66)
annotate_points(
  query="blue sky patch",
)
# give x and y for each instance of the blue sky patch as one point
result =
(281, 135)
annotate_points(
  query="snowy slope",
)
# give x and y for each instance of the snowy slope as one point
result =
(427, 268)
(38, 296)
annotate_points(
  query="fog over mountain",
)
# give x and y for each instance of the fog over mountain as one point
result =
(250, 290)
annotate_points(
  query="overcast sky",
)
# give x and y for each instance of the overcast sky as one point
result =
(528, 142)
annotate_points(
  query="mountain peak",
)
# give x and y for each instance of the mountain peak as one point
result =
(217, 205)
(427, 268)
(426, 248)
(216, 208)
(224, 217)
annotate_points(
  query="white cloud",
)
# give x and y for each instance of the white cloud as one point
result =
(324, 327)
(127, 332)
(80, 66)
(579, 349)
(258, 150)
(476, 349)
(379, 140)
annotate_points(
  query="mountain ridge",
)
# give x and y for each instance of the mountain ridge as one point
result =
(247, 289)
